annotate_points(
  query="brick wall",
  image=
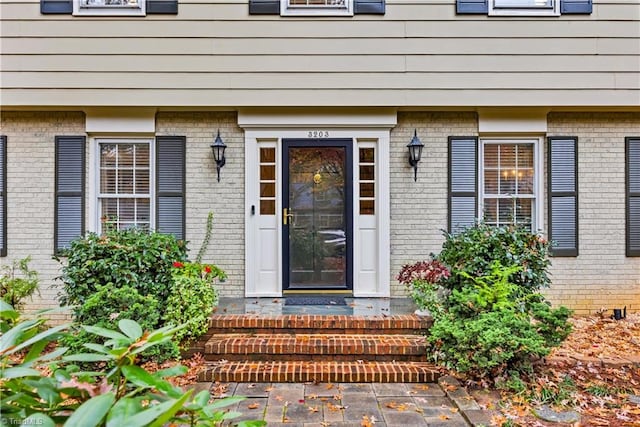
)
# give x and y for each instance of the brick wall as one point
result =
(204, 194)
(419, 209)
(30, 193)
(601, 276)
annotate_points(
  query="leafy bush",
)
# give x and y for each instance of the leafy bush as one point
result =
(132, 274)
(131, 257)
(490, 320)
(490, 330)
(192, 299)
(125, 395)
(107, 306)
(476, 248)
(18, 282)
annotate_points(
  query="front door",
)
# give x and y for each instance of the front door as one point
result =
(317, 215)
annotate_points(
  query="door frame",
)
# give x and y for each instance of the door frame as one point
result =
(266, 127)
(347, 144)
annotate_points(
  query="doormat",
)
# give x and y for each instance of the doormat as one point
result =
(313, 300)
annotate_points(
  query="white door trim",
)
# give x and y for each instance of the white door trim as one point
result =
(259, 130)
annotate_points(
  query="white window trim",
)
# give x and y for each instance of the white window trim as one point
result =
(538, 182)
(524, 11)
(95, 181)
(141, 10)
(286, 10)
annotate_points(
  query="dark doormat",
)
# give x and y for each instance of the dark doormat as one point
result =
(315, 300)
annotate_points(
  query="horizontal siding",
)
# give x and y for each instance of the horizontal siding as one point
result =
(317, 63)
(418, 50)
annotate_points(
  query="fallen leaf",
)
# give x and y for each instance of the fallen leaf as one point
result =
(255, 405)
(444, 417)
(313, 409)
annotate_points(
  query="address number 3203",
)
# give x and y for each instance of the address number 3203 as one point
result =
(318, 134)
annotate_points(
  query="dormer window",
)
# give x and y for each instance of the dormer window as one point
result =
(109, 7)
(524, 7)
(316, 7)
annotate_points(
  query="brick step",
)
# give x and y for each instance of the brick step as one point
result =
(320, 372)
(316, 347)
(317, 324)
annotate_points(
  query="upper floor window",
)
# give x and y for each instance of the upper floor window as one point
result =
(109, 7)
(524, 7)
(316, 7)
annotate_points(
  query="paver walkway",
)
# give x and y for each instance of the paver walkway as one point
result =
(353, 404)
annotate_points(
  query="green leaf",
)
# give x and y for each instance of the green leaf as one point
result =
(251, 423)
(142, 378)
(38, 420)
(91, 412)
(19, 372)
(158, 415)
(122, 412)
(227, 401)
(87, 357)
(103, 332)
(131, 328)
(97, 347)
(173, 371)
(202, 398)
(41, 336)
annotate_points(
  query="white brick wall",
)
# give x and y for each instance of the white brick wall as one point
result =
(205, 194)
(419, 209)
(30, 193)
(601, 276)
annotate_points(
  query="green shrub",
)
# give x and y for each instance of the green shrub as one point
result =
(192, 299)
(475, 249)
(125, 395)
(490, 321)
(18, 282)
(108, 306)
(139, 275)
(137, 258)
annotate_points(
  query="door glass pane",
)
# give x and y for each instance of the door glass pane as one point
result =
(317, 232)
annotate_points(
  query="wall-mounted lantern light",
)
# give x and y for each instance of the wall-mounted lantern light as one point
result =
(415, 153)
(218, 148)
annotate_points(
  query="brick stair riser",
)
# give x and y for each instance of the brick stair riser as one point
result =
(320, 324)
(308, 331)
(315, 357)
(332, 372)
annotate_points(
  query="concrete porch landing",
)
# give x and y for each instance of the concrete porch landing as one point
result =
(354, 307)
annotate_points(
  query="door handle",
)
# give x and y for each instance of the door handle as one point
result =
(287, 216)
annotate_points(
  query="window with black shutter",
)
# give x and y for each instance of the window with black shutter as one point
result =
(316, 7)
(108, 7)
(563, 195)
(633, 196)
(170, 185)
(463, 182)
(3, 195)
(69, 190)
(524, 7)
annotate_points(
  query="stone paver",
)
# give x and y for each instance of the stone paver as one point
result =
(336, 405)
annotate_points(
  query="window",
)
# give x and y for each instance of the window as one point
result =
(124, 190)
(267, 181)
(524, 7)
(367, 180)
(316, 7)
(109, 7)
(509, 182)
(633, 196)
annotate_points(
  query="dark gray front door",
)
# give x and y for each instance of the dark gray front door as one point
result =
(317, 214)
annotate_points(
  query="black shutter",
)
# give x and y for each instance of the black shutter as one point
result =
(463, 182)
(264, 7)
(563, 195)
(3, 196)
(370, 7)
(170, 185)
(472, 6)
(576, 6)
(70, 190)
(57, 7)
(633, 196)
(166, 7)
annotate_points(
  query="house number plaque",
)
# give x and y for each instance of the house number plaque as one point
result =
(318, 134)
